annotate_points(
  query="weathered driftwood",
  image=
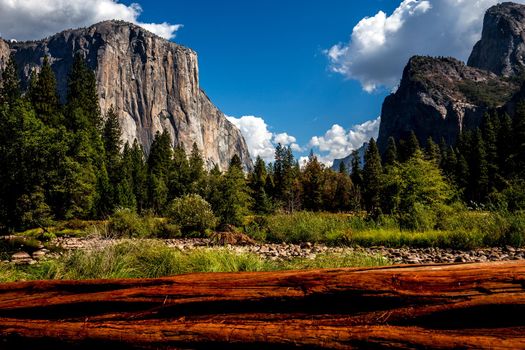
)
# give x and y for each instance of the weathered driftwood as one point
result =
(438, 306)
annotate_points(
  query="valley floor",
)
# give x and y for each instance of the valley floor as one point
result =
(287, 252)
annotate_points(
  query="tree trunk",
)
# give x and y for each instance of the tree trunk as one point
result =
(434, 306)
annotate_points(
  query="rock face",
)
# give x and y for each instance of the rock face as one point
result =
(348, 160)
(438, 98)
(4, 53)
(501, 49)
(152, 83)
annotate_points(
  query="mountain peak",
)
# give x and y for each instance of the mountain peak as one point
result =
(501, 49)
(152, 83)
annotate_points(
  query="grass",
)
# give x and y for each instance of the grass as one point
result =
(140, 259)
(458, 229)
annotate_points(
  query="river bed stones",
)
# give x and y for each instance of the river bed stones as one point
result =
(22, 258)
(286, 251)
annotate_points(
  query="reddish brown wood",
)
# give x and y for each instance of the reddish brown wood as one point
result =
(436, 306)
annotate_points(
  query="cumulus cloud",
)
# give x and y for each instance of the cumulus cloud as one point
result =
(287, 140)
(261, 142)
(380, 46)
(338, 143)
(32, 19)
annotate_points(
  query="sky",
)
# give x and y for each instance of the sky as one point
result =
(306, 73)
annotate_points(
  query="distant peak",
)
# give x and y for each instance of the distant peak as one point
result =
(501, 49)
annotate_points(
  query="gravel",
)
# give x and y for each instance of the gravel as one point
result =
(284, 251)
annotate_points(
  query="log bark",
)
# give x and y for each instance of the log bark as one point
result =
(435, 306)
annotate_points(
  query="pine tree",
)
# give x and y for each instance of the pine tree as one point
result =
(342, 168)
(10, 84)
(433, 151)
(111, 136)
(86, 148)
(312, 183)
(124, 191)
(159, 166)
(44, 95)
(279, 171)
(139, 175)
(285, 178)
(444, 149)
(505, 147)
(180, 177)
(518, 128)
(234, 200)
(196, 171)
(490, 138)
(412, 145)
(391, 152)
(345, 197)
(83, 108)
(356, 175)
(479, 178)
(291, 183)
(258, 178)
(372, 172)
(449, 164)
(462, 172)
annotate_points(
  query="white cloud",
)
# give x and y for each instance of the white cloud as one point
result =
(256, 134)
(338, 143)
(381, 45)
(287, 140)
(35, 19)
(261, 142)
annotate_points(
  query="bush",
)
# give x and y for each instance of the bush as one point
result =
(192, 213)
(127, 223)
(418, 218)
(166, 229)
(306, 227)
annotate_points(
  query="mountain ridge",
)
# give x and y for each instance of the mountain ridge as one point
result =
(153, 84)
(440, 97)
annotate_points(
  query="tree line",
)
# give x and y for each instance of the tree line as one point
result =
(64, 159)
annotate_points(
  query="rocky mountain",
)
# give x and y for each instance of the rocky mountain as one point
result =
(152, 83)
(501, 49)
(440, 97)
(348, 160)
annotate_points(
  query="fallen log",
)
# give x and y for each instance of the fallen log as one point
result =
(434, 306)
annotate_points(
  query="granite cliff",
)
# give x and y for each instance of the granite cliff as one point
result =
(440, 97)
(152, 83)
(501, 49)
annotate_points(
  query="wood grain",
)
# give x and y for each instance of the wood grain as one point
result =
(435, 306)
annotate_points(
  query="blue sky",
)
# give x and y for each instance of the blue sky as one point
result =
(309, 73)
(266, 58)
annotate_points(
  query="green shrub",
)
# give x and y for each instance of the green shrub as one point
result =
(418, 218)
(127, 223)
(166, 229)
(515, 236)
(192, 213)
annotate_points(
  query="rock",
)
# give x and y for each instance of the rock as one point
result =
(306, 245)
(233, 238)
(435, 99)
(21, 258)
(39, 254)
(501, 49)
(440, 97)
(152, 83)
